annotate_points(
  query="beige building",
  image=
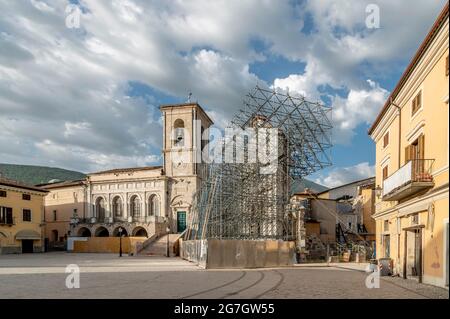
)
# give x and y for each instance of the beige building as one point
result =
(21, 217)
(141, 201)
(411, 136)
(64, 200)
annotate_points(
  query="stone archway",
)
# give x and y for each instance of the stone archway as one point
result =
(84, 232)
(140, 232)
(102, 232)
(115, 232)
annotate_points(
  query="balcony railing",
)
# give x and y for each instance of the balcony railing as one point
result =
(411, 178)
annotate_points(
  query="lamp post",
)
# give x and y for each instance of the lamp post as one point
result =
(120, 241)
(378, 191)
(168, 235)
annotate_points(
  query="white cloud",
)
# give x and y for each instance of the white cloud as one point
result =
(360, 106)
(344, 175)
(64, 92)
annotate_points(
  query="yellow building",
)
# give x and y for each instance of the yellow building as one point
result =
(411, 136)
(21, 217)
(64, 201)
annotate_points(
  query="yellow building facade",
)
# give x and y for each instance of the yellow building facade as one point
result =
(411, 134)
(64, 200)
(21, 217)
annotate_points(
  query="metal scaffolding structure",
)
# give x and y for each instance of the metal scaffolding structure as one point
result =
(245, 196)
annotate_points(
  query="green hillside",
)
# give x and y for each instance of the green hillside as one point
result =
(34, 175)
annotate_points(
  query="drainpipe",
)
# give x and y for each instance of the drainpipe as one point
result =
(399, 165)
(399, 131)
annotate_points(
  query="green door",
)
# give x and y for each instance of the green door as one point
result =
(181, 221)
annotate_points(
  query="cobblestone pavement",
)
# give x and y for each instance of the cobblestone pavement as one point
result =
(108, 276)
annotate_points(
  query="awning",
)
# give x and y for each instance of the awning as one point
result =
(28, 234)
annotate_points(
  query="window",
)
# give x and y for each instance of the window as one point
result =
(416, 103)
(27, 215)
(385, 172)
(6, 215)
(135, 206)
(386, 139)
(416, 150)
(26, 196)
(2, 193)
(55, 216)
(117, 206)
(386, 226)
(154, 206)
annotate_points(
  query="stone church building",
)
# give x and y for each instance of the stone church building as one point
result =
(141, 201)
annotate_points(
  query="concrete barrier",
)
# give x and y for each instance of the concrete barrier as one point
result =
(217, 254)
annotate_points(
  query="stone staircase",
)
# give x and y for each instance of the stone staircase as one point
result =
(159, 246)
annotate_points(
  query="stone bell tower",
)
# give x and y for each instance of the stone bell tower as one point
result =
(182, 145)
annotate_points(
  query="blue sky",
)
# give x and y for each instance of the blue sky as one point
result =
(87, 98)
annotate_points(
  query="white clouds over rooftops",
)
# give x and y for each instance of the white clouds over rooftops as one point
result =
(64, 92)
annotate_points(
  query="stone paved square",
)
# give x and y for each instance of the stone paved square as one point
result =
(108, 276)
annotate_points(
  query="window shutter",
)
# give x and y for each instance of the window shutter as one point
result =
(421, 144)
(407, 153)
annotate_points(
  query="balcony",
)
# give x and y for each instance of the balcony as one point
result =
(411, 178)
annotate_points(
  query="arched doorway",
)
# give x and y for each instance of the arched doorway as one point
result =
(140, 232)
(101, 232)
(84, 232)
(116, 232)
(100, 209)
(135, 206)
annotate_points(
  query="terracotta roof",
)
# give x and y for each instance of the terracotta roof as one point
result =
(61, 184)
(194, 104)
(126, 170)
(420, 52)
(13, 183)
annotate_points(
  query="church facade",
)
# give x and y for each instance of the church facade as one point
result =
(139, 201)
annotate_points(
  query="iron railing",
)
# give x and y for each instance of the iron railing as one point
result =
(416, 170)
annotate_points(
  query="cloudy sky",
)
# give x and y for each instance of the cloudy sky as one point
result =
(87, 98)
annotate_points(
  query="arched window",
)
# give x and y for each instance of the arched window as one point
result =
(100, 209)
(117, 206)
(135, 206)
(154, 205)
(178, 138)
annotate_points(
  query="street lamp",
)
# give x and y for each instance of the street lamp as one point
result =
(378, 191)
(168, 235)
(120, 241)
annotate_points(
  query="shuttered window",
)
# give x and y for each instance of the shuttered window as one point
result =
(385, 172)
(6, 215)
(27, 215)
(416, 150)
(386, 139)
(416, 103)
